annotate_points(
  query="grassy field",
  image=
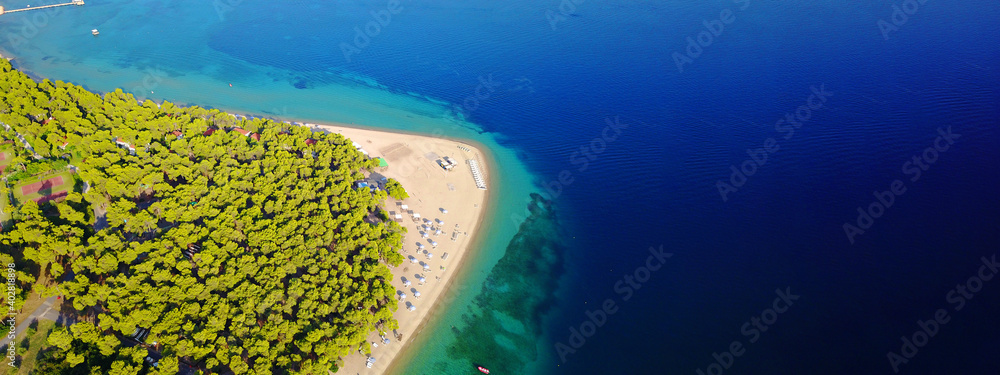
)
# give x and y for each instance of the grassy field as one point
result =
(35, 343)
(65, 186)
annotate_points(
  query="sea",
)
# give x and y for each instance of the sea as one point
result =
(679, 187)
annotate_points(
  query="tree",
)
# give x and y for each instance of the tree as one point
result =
(237, 255)
(395, 189)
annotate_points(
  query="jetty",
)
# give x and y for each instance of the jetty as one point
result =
(74, 2)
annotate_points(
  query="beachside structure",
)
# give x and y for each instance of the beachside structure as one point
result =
(125, 145)
(476, 174)
(247, 133)
(447, 163)
(74, 2)
(358, 147)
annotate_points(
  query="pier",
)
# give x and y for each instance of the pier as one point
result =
(74, 2)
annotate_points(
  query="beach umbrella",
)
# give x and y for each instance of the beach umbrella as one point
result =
(420, 245)
(438, 231)
(406, 283)
(444, 211)
(424, 234)
(385, 340)
(429, 255)
(427, 267)
(422, 279)
(439, 221)
(416, 294)
(411, 308)
(412, 259)
(433, 243)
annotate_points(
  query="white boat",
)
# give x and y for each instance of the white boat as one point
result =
(95, 32)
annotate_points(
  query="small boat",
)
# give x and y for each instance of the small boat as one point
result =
(483, 369)
(95, 32)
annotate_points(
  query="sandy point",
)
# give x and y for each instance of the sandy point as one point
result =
(442, 216)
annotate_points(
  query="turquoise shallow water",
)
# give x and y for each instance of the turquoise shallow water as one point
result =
(563, 71)
(161, 52)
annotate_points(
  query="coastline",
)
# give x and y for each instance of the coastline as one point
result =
(451, 286)
(430, 188)
(436, 293)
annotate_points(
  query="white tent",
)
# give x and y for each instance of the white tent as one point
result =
(416, 216)
(399, 216)
(404, 207)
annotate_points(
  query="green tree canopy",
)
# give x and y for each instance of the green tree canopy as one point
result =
(233, 253)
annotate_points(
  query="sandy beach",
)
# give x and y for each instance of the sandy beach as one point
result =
(413, 161)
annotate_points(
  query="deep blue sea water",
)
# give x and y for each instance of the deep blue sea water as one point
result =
(559, 73)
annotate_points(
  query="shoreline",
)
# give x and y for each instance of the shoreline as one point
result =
(419, 174)
(437, 292)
